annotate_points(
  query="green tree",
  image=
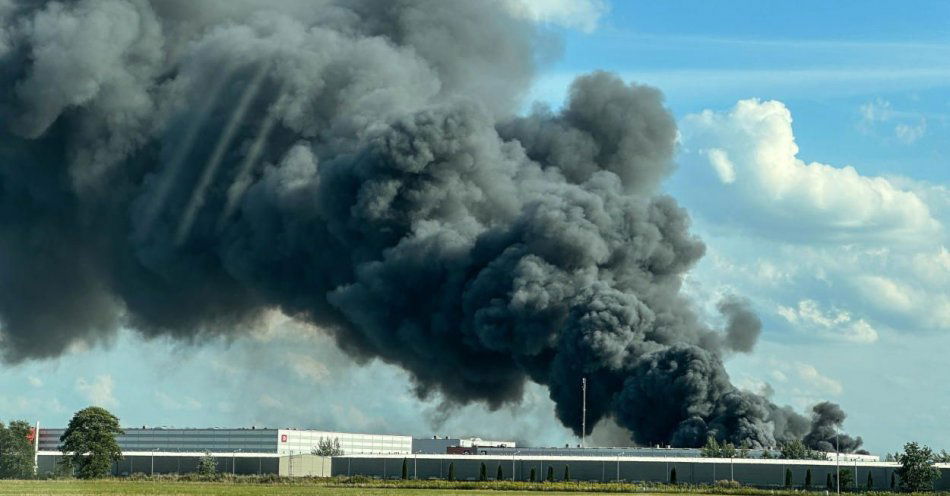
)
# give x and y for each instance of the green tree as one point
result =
(89, 442)
(893, 481)
(796, 450)
(207, 465)
(942, 457)
(829, 485)
(808, 479)
(917, 471)
(728, 450)
(673, 476)
(405, 469)
(533, 475)
(327, 447)
(16, 450)
(711, 449)
(499, 475)
(452, 471)
(870, 483)
(567, 473)
(847, 479)
(788, 477)
(550, 477)
(766, 454)
(483, 472)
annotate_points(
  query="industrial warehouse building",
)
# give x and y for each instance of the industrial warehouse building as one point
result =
(287, 452)
(239, 451)
(691, 470)
(442, 445)
(645, 451)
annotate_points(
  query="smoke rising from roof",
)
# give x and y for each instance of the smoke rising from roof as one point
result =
(181, 167)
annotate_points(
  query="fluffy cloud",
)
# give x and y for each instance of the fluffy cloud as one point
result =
(752, 149)
(833, 323)
(578, 14)
(930, 309)
(815, 380)
(99, 391)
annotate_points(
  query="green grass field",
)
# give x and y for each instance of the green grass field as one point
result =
(313, 488)
(64, 488)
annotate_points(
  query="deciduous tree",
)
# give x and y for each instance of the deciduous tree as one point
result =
(89, 443)
(917, 471)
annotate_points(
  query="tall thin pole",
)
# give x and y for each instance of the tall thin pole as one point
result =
(837, 465)
(583, 412)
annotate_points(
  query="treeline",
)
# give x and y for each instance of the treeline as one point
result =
(16, 450)
(794, 450)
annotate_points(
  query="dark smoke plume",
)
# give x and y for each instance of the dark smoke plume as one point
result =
(180, 167)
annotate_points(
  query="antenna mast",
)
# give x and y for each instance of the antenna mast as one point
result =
(584, 412)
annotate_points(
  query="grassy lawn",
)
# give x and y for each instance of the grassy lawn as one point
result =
(315, 488)
(64, 488)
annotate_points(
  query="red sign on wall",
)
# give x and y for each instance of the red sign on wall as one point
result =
(283, 438)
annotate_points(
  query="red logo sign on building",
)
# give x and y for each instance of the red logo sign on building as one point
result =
(283, 438)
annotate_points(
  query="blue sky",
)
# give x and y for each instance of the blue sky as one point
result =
(839, 243)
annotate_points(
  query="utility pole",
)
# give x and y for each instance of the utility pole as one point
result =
(583, 412)
(837, 464)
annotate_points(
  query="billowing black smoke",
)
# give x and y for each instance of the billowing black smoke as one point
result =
(180, 167)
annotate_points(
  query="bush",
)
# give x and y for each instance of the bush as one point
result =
(533, 475)
(499, 475)
(405, 469)
(727, 484)
(788, 477)
(808, 479)
(673, 476)
(483, 472)
(550, 477)
(207, 465)
(567, 473)
(452, 471)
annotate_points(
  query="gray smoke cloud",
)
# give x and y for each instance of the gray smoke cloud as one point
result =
(182, 167)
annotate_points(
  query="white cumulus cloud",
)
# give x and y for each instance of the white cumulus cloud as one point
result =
(834, 323)
(755, 150)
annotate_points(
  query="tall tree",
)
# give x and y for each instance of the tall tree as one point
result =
(808, 479)
(917, 471)
(89, 443)
(499, 474)
(567, 473)
(405, 469)
(483, 472)
(16, 450)
(788, 477)
(711, 449)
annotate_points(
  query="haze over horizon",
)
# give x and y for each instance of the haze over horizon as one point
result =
(811, 162)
